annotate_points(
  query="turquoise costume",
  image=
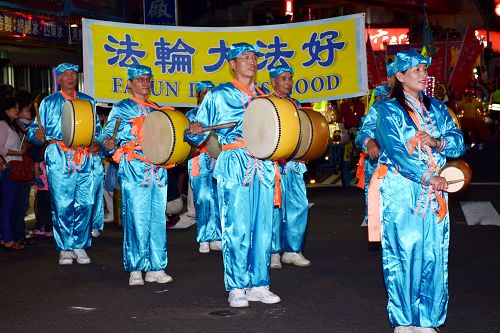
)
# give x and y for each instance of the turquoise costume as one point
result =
(200, 169)
(244, 187)
(73, 176)
(98, 210)
(290, 220)
(367, 132)
(143, 186)
(414, 238)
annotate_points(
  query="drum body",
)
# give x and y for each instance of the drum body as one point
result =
(271, 128)
(458, 174)
(314, 135)
(162, 140)
(213, 145)
(78, 123)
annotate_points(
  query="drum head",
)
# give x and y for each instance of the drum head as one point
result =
(261, 130)
(68, 123)
(271, 128)
(458, 174)
(158, 137)
(213, 145)
(453, 176)
(314, 135)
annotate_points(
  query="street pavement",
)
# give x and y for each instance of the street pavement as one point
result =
(343, 290)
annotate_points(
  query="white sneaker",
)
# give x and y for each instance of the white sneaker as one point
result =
(364, 223)
(404, 329)
(158, 276)
(237, 299)
(135, 279)
(81, 256)
(295, 258)
(95, 233)
(275, 261)
(216, 245)
(66, 257)
(262, 294)
(204, 247)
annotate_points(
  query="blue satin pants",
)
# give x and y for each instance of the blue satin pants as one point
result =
(144, 226)
(208, 227)
(246, 216)
(415, 264)
(290, 221)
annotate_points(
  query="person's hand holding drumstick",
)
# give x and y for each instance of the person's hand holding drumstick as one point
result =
(110, 143)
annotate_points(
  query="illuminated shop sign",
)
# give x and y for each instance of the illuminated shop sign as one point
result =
(19, 25)
(382, 37)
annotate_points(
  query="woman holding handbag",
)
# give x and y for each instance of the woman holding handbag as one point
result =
(12, 149)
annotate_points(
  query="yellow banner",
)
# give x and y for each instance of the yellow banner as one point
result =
(328, 57)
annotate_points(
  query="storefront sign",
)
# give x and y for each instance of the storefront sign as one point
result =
(20, 25)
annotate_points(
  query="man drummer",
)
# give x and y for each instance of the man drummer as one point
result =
(244, 183)
(143, 185)
(290, 220)
(71, 172)
(204, 187)
(365, 139)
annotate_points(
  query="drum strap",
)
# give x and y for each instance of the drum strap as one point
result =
(374, 229)
(67, 97)
(360, 171)
(195, 160)
(78, 154)
(130, 149)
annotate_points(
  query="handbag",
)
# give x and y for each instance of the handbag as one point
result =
(22, 171)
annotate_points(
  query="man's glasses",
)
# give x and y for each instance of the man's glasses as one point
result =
(248, 58)
(143, 79)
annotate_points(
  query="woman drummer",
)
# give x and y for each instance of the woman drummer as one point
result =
(406, 195)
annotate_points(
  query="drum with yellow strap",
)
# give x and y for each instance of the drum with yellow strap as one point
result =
(458, 175)
(78, 123)
(314, 135)
(271, 128)
(163, 137)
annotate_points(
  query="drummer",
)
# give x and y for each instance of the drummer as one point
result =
(143, 185)
(244, 184)
(290, 220)
(365, 139)
(71, 172)
(204, 187)
(416, 134)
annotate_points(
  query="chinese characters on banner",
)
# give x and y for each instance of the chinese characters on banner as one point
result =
(328, 56)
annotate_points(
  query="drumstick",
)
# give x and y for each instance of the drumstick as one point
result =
(209, 128)
(455, 181)
(38, 117)
(115, 130)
